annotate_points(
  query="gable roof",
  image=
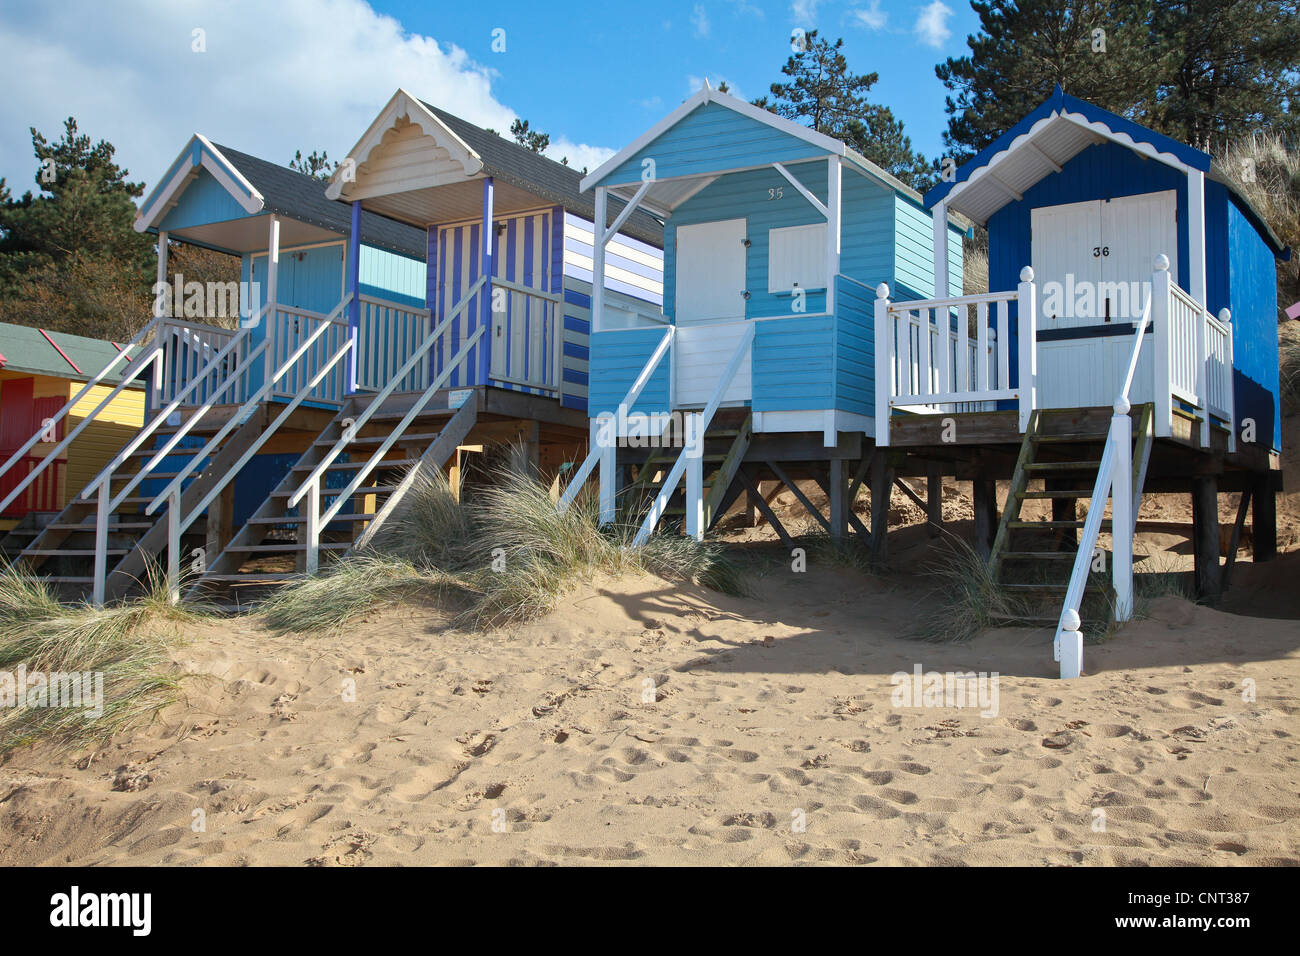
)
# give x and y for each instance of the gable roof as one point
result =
(57, 354)
(1060, 128)
(707, 94)
(265, 187)
(470, 153)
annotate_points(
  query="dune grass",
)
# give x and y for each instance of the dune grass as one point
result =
(501, 555)
(124, 646)
(966, 599)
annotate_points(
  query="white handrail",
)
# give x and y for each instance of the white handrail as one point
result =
(694, 449)
(638, 385)
(250, 406)
(1114, 482)
(143, 435)
(133, 369)
(429, 340)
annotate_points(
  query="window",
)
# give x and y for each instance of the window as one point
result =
(796, 257)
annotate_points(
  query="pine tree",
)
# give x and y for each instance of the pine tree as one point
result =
(317, 165)
(530, 138)
(825, 96)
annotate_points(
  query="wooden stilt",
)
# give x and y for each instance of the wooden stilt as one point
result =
(1263, 524)
(798, 493)
(1235, 541)
(882, 480)
(837, 494)
(1205, 534)
(761, 504)
(984, 494)
(934, 497)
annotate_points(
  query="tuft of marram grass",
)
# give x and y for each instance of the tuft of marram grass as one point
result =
(967, 598)
(126, 643)
(504, 555)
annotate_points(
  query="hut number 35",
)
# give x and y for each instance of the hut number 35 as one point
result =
(1099, 251)
(776, 193)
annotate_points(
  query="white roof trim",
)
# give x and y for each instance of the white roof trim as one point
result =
(223, 171)
(1025, 140)
(404, 104)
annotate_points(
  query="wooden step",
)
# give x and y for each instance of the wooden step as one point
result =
(357, 465)
(1038, 620)
(269, 548)
(1048, 525)
(1063, 466)
(326, 492)
(1048, 587)
(1037, 556)
(1070, 439)
(254, 577)
(1071, 493)
(120, 526)
(380, 439)
(303, 520)
(71, 552)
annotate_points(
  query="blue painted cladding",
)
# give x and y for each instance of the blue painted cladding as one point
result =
(745, 196)
(1253, 301)
(713, 138)
(391, 276)
(203, 201)
(867, 230)
(617, 358)
(855, 347)
(307, 278)
(793, 365)
(914, 247)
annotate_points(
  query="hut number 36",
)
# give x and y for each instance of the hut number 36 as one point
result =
(777, 193)
(1099, 251)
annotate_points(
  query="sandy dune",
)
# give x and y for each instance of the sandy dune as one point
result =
(537, 745)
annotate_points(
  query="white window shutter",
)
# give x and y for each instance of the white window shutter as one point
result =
(796, 257)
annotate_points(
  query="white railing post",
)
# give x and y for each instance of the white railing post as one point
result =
(1225, 317)
(1203, 370)
(1027, 313)
(174, 546)
(884, 364)
(312, 514)
(1122, 511)
(101, 545)
(605, 438)
(1162, 331)
(1068, 646)
(695, 477)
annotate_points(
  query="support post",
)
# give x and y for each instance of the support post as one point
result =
(312, 514)
(1263, 520)
(272, 293)
(598, 261)
(882, 483)
(839, 508)
(984, 494)
(1161, 351)
(695, 479)
(101, 542)
(174, 546)
(605, 440)
(1121, 511)
(1069, 646)
(884, 365)
(488, 261)
(934, 498)
(1027, 364)
(940, 214)
(1205, 529)
(154, 398)
(354, 288)
(1196, 235)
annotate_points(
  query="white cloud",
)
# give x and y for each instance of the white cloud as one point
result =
(932, 23)
(700, 20)
(871, 17)
(745, 7)
(804, 13)
(312, 74)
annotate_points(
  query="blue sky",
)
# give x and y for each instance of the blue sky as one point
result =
(269, 78)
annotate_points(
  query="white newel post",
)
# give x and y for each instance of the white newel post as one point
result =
(1027, 316)
(1121, 511)
(155, 395)
(884, 364)
(1162, 348)
(1068, 647)
(1225, 317)
(174, 545)
(272, 291)
(598, 261)
(101, 543)
(313, 525)
(940, 213)
(695, 478)
(834, 179)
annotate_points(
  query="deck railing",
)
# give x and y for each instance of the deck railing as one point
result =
(527, 336)
(389, 333)
(953, 354)
(1193, 359)
(291, 327)
(188, 349)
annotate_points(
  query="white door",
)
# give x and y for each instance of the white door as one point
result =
(1063, 241)
(1136, 229)
(710, 272)
(710, 312)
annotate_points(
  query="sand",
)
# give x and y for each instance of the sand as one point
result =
(766, 734)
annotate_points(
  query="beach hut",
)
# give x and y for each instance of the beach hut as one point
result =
(41, 372)
(775, 239)
(1131, 326)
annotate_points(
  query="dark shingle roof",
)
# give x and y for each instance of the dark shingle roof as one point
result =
(26, 349)
(299, 196)
(520, 166)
